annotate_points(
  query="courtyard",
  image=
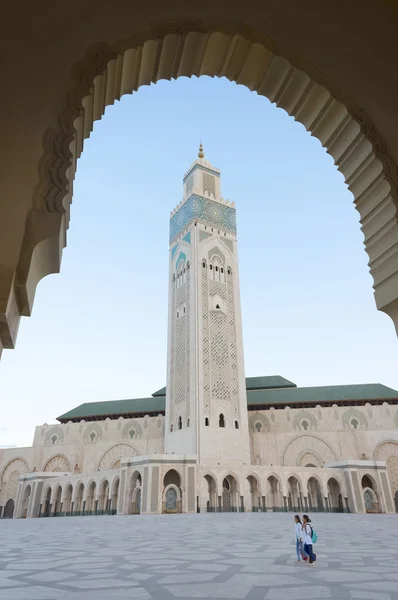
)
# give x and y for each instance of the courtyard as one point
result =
(245, 556)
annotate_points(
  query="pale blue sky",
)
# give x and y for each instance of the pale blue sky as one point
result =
(98, 330)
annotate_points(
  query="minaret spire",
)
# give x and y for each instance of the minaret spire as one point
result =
(201, 153)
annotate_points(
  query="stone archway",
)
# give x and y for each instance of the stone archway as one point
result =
(193, 48)
(8, 512)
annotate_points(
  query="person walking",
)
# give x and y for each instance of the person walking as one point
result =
(307, 533)
(298, 528)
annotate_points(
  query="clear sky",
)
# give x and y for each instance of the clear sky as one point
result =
(98, 330)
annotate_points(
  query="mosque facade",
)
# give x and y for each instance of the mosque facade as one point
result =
(211, 440)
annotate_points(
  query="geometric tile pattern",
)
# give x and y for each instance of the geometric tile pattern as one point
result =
(207, 211)
(248, 556)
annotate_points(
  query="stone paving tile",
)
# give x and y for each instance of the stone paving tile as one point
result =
(216, 556)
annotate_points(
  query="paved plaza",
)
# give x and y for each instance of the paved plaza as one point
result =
(244, 556)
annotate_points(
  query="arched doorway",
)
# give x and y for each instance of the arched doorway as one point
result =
(115, 496)
(134, 495)
(314, 495)
(103, 497)
(211, 496)
(229, 498)
(253, 495)
(78, 504)
(172, 492)
(294, 494)
(90, 508)
(273, 494)
(25, 502)
(57, 503)
(370, 495)
(9, 509)
(335, 498)
(46, 503)
(67, 503)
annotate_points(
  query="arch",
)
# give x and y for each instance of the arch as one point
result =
(106, 73)
(259, 423)
(132, 430)
(221, 420)
(134, 493)
(46, 501)
(171, 500)
(353, 414)
(371, 501)
(92, 433)
(230, 493)
(67, 499)
(307, 416)
(172, 477)
(388, 452)
(11, 473)
(210, 493)
(57, 500)
(79, 498)
(335, 497)
(315, 493)
(298, 447)
(368, 481)
(54, 436)
(9, 508)
(25, 501)
(294, 491)
(111, 458)
(273, 495)
(252, 493)
(91, 500)
(58, 464)
(103, 495)
(115, 494)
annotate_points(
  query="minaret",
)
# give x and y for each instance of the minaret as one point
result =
(206, 406)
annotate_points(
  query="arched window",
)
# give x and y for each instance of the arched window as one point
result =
(258, 426)
(305, 425)
(171, 428)
(354, 423)
(236, 425)
(221, 421)
(132, 433)
(179, 423)
(188, 423)
(54, 439)
(92, 436)
(206, 421)
(204, 264)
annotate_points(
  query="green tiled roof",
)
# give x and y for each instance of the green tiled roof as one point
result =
(254, 383)
(115, 407)
(255, 398)
(268, 382)
(319, 395)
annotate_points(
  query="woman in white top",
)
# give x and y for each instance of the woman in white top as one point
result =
(298, 528)
(307, 533)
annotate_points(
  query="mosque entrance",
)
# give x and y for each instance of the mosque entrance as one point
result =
(171, 500)
(9, 509)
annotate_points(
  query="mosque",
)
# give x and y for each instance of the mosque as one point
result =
(211, 440)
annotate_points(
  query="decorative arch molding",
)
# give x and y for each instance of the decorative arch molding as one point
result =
(57, 463)
(92, 433)
(194, 48)
(388, 451)
(311, 457)
(297, 478)
(54, 432)
(15, 464)
(259, 423)
(114, 454)
(350, 415)
(305, 415)
(132, 426)
(307, 444)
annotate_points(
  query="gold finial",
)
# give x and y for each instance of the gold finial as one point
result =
(201, 153)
